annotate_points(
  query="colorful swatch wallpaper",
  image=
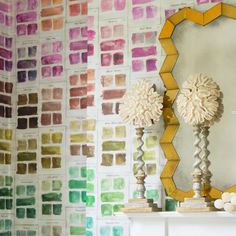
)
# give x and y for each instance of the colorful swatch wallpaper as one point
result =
(67, 162)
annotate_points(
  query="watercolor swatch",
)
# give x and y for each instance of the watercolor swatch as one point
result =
(6, 92)
(6, 52)
(6, 141)
(76, 220)
(77, 184)
(6, 225)
(6, 193)
(52, 58)
(77, 9)
(112, 195)
(52, 15)
(81, 91)
(91, 188)
(144, 10)
(144, 52)
(113, 87)
(78, 43)
(82, 138)
(26, 17)
(6, 11)
(27, 153)
(113, 146)
(27, 110)
(26, 201)
(51, 153)
(52, 106)
(52, 229)
(112, 43)
(27, 62)
(51, 199)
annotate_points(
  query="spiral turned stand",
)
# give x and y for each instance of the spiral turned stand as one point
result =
(206, 173)
(140, 203)
(197, 203)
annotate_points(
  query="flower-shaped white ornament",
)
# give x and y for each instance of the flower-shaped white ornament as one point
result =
(141, 105)
(198, 102)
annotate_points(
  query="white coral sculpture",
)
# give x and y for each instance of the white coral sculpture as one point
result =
(141, 105)
(200, 101)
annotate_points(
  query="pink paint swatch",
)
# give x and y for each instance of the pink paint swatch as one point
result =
(112, 40)
(78, 45)
(112, 6)
(52, 59)
(6, 52)
(26, 17)
(145, 57)
(6, 18)
(143, 9)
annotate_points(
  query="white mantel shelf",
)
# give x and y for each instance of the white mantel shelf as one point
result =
(218, 223)
(174, 214)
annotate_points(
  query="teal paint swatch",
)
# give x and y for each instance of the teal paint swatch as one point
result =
(117, 231)
(74, 196)
(105, 231)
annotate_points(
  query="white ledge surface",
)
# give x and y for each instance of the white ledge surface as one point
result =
(174, 214)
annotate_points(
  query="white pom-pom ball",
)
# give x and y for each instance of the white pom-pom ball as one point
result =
(233, 199)
(226, 197)
(228, 207)
(219, 204)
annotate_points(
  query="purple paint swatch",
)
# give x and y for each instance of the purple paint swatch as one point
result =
(151, 11)
(5, 53)
(57, 70)
(5, 7)
(151, 65)
(24, 64)
(74, 58)
(26, 17)
(32, 29)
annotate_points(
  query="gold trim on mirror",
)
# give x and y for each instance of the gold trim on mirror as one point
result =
(170, 119)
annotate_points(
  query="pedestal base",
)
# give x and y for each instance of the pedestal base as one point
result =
(140, 205)
(195, 205)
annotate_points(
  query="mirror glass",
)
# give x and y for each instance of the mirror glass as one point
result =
(211, 50)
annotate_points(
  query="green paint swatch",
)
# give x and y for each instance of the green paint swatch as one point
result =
(74, 196)
(77, 230)
(113, 146)
(112, 197)
(77, 184)
(119, 183)
(49, 197)
(106, 184)
(106, 209)
(25, 201)
(117, 231)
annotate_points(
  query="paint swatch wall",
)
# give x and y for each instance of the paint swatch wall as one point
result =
(66, 159)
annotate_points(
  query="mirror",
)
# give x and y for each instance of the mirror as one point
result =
(210, 50)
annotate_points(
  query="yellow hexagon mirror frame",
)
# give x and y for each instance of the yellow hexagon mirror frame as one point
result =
(171, 121)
